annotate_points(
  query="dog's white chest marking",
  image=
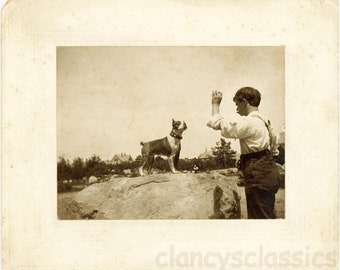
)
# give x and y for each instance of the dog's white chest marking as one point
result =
(174, 144)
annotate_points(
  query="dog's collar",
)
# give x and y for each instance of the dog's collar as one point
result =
(176, 136)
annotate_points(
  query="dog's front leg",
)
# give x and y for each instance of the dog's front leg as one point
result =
(176, 158)
(171, 164)
(140, 169)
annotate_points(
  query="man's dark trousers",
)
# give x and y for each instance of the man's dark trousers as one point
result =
(261, 184)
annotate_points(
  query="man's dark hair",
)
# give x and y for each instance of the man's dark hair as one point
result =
(250, 94)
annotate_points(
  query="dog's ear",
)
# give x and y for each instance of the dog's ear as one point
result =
(175, 123)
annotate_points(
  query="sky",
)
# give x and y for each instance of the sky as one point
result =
(109, 99)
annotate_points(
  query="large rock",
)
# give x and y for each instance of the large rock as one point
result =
(92, 179)
(161, 196)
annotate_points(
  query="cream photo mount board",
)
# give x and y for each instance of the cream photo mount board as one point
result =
(32, 235)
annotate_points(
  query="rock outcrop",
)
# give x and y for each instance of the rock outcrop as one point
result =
(92, 180)
(158, 196)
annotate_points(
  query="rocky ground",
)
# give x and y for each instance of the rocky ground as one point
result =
(161, 196)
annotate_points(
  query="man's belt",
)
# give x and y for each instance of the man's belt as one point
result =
(246, 157)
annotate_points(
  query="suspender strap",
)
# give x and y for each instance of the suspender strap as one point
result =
(272, 144)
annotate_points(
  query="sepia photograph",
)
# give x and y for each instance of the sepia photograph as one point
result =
(170, 134)
(136, 137)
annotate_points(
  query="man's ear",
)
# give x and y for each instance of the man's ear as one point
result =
(173, 120)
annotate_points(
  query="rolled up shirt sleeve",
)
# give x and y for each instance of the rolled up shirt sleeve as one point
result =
(215, 122)
(229, 129)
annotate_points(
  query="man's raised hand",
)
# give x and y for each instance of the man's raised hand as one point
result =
(216, 97)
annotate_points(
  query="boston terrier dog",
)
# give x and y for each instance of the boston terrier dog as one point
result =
(169, 146)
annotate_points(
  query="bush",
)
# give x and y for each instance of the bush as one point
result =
(78, 168)
(63, 169)
(64, 187)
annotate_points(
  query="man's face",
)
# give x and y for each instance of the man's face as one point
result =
(241, 106)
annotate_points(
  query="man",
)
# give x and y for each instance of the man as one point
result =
(257, 143)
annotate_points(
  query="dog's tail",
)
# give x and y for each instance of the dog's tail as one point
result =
(141, 143)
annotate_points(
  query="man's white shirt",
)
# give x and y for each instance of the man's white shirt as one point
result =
(251, 130)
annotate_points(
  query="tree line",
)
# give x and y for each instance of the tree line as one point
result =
(224, 157)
